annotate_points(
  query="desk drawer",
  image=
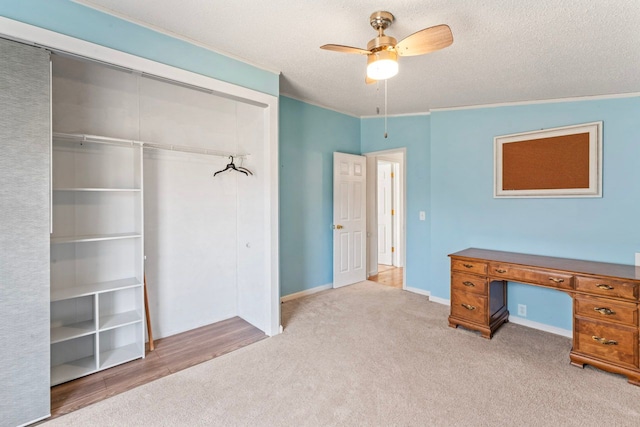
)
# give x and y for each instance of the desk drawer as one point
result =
(606, 310)
(607, 287)
(615, 343)
(469, 266)
(469, 306)
(531, 275)
(469, 283)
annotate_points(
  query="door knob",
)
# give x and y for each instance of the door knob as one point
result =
(338, 227)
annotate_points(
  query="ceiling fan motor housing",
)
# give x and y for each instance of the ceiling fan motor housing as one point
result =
(382, 42)
(381, 20)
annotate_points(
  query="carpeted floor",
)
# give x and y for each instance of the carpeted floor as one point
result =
(368, 354)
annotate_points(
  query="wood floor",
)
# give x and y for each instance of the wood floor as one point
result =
(388, 275)
(171, 355)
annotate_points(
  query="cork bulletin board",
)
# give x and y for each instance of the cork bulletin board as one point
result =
(558, 162)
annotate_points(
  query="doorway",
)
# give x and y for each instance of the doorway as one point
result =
(386, 217)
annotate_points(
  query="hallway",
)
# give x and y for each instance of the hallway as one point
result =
(388, 275)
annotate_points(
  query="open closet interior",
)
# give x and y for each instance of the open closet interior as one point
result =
(134, 195)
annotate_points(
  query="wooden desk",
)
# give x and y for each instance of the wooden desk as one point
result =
(605, 302)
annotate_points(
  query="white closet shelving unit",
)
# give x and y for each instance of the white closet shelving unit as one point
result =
(97, 261)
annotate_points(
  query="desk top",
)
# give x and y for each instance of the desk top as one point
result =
(620, 271)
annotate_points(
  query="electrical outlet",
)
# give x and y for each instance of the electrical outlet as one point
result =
(637, 259)
(423, 215)
(522, 310)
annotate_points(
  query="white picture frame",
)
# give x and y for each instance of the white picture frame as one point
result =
(551, 137)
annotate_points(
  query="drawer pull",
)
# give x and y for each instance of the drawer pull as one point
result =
(605, 287)
(468, 265)
(470, 284)
(604, 310)
(604, 341)
(468, 307)
(499, 270)
(556, 280)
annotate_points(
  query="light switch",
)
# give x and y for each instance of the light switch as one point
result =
(423, 215)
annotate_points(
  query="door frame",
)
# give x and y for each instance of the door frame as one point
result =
(393, 202)
(395, 155)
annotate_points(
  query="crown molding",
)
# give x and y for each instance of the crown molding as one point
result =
(541, 101)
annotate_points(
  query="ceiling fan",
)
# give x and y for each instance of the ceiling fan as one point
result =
(382, 52)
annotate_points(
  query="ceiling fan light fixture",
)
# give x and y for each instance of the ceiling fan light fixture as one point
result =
(382, 65)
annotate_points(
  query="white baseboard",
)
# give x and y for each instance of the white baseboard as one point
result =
(540, 326)
(306, 292)
(418, 291)
(517, 320)
(439, 300)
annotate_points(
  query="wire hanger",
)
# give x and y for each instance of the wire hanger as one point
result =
(231, 165)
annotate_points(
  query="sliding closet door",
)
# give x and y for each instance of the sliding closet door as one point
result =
(24, 233)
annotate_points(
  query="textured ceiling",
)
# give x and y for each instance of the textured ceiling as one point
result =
(503, 50)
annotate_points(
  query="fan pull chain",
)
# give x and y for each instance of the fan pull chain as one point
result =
(385, 109)
(378, 97)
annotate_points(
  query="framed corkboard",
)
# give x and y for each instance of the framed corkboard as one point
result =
(558, 162)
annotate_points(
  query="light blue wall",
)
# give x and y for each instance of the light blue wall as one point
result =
(449, 170)
(465, 214)
(412, 132)
(308, 137)
(84, 23)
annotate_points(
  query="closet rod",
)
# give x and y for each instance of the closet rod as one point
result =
(80, 138)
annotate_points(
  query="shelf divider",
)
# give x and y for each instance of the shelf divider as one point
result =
(75, 330)
(94, 288)
(112, 321)
(93, 238)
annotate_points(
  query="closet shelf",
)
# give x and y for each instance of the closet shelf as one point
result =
(119, 355)
(94, 288)
(120, 319)
(72, 370)
(88, 189)
(76, 330)
(94, 238)
(96, 139)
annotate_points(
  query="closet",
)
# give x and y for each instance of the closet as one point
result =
(108, 176)
(134, 193)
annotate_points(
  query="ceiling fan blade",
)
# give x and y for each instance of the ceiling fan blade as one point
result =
(345, 49)
(425, 41)
(368, 80)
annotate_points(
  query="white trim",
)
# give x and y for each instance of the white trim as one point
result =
(315, 104)
(306, 292)
(47, 39)
(272, 221)
(513, 319)
(439, 300)
(541, 326)
(172, 34)
(378, 116)
(418, 291)
(51, 40)
(541, 101)
(34, 421)
(371, 212)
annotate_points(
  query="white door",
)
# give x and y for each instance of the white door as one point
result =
(385, 218)
(349, 219)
